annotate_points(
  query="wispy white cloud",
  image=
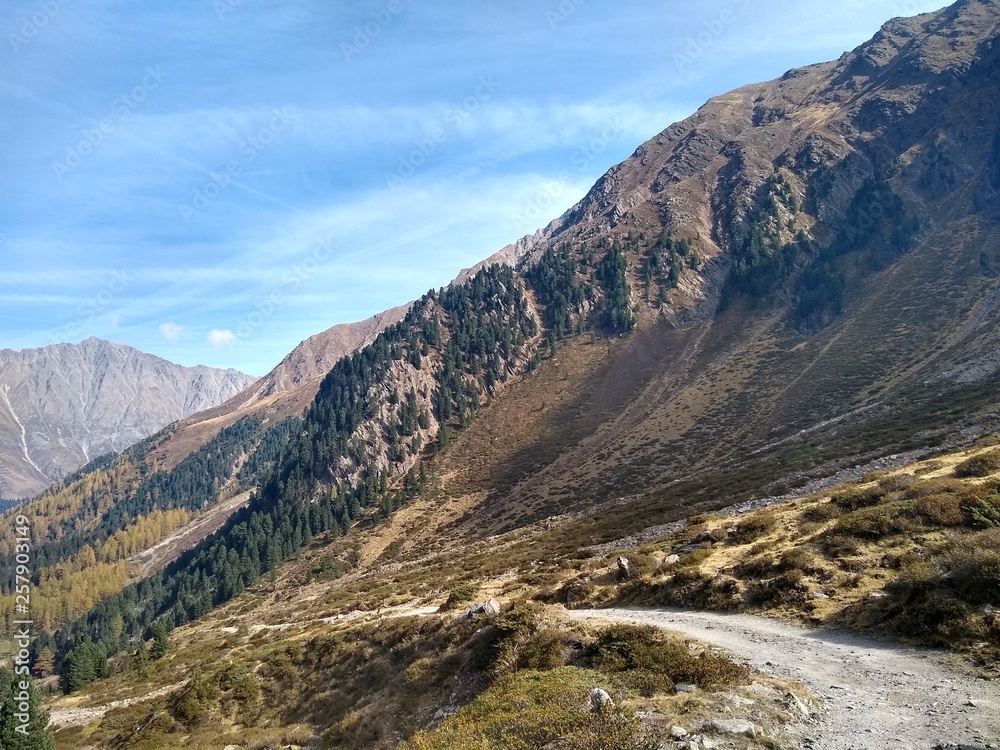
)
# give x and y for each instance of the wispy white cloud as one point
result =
(172, 332)
(221, 339)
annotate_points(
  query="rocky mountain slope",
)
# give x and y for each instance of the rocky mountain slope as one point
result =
(796, 285)
(284, 392)
(63, 405)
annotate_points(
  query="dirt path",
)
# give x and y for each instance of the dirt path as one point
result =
(877, 696)
(80, 717)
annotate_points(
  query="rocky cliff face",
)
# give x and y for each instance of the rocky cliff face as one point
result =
(62, 405)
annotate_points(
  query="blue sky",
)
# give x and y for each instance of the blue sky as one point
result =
(214, 180)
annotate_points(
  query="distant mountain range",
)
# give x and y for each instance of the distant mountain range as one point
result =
(63, 405)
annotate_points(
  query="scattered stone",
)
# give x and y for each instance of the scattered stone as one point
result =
(599, 699)
(653, 718)
(705, 536)
(731, 532)
(683, 688)
(491, 607)
(796, 704)
(736, 700)
(624, 573)
(678, 733)
(708, 744)
(820, 594)
(765, 691)
(671, 559)
(740, 727)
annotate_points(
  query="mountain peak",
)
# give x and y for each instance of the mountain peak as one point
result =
(64, 404)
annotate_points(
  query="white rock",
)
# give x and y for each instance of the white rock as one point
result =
(600, 699)
(678, 733)
(734, 727)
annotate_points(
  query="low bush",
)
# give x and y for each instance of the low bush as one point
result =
(546, 649)
(645, 650)
(797, 558)
(785, 589)
(975, 568)
(979, 466)
(855, 499)
(878, 522)
(941, 510)
(821, 512)
(755, 526)
(460, 595)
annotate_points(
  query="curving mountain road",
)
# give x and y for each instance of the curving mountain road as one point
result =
(877, 696)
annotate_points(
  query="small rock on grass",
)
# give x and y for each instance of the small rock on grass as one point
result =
(734, 727)
(600, 699)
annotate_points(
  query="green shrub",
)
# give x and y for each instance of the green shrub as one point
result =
(979, 466)
(784, 589)
(984, 513)
(941, 510)
(544, 650)
(797, 558)
(838, 546)
(855, 499)
(460, 595)
(975, 569)
(821, 512)
(755, 526)
(645, 650)
(876, 522)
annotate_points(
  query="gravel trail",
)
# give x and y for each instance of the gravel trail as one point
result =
(877, 696)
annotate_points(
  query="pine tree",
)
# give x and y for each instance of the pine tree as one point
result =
(36, 736)
(160, 641)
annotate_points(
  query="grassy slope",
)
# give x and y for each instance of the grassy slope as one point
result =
(365, 619)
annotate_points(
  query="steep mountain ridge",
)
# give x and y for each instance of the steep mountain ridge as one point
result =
(286, 391)
(62, 405)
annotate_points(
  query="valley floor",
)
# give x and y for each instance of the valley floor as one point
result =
(876, 694)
